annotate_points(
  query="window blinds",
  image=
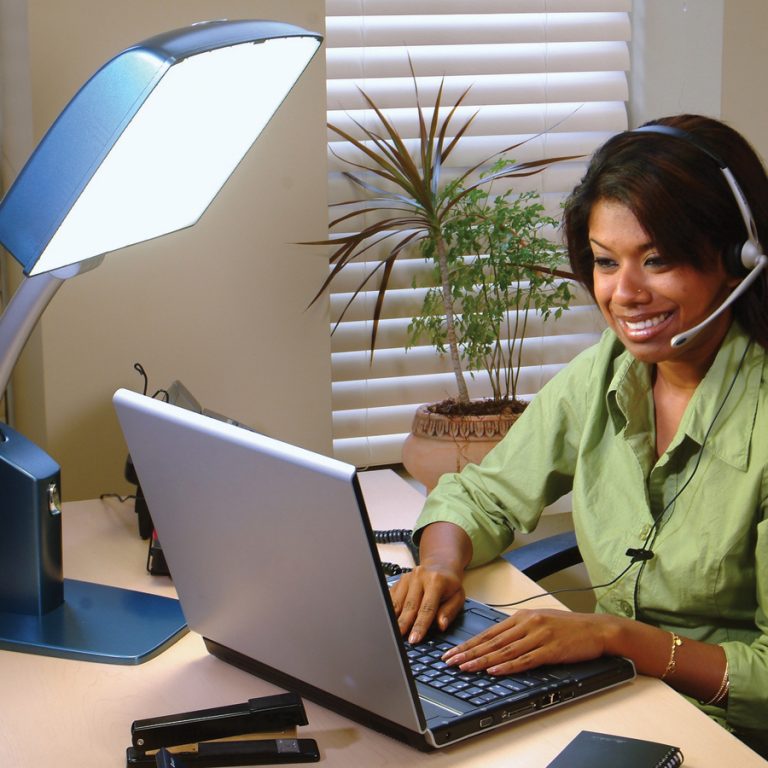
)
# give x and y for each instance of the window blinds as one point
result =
(552, 72)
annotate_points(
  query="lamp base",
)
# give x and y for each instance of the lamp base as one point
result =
(97, 623)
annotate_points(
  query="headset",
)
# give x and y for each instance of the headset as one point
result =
(744, 260)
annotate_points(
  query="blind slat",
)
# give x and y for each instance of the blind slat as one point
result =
(404, 304)
(370, 451)
(410, 269)
(399, 7)
(424, 389)
(569, 87)
(457, 29)
(356, 366)
(488, 59)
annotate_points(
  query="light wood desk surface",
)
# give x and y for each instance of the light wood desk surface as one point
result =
(56, 712)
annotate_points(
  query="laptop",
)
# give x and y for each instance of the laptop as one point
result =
(273, 558)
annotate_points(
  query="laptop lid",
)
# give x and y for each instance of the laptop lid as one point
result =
(270, 554)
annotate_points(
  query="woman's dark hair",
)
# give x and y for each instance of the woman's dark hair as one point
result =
(680, 198)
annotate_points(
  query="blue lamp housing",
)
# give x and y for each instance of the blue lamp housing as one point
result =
(140, 151)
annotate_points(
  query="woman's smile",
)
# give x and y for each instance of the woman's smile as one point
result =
(646, 298)
(641, 327)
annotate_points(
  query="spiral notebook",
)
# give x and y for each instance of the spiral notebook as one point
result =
(591, 749)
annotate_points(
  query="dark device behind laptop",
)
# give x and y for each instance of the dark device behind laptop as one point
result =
(274, 562)
(177, 394)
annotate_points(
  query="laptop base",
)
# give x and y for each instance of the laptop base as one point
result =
(323, 698)
(607, 673)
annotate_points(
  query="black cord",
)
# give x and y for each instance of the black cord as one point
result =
(121, 499)
(656, 527)
(163, 393)
(397, 536)
(140, 368)
(393, 569)
(645, 553)
(393, 536)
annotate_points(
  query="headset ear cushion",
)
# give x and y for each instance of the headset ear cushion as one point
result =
(737, 259)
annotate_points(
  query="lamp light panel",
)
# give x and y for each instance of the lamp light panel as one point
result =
(179, 148)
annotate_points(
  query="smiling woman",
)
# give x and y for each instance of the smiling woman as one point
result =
(647, 298)
(656, 439)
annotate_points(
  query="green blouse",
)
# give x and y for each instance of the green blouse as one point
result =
(701, 507)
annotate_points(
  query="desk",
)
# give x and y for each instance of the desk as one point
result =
(56, 712)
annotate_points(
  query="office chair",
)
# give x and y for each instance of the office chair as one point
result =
(542, 558)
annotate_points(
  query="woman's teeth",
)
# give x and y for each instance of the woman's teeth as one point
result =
(642, 325)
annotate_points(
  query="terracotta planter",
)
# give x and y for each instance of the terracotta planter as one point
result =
(438, 444)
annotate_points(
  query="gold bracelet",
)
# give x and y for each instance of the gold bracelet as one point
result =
(722, 691)
(672, 663)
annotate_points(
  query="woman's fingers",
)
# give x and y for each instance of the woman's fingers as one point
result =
(529, 639)
(424, 596)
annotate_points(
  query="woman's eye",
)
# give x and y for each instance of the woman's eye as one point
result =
(655, 260)
(603, 262)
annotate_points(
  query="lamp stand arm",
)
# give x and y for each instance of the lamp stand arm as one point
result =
(25, 308)
(41, 611)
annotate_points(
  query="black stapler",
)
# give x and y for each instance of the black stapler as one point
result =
(151, 737)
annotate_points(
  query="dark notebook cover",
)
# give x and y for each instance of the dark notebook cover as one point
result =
(595, 750)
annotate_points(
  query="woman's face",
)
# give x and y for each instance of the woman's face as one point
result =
(645, 298)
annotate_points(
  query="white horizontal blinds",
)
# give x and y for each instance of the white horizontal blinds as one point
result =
(552, 73)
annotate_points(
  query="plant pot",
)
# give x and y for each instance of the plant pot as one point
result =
(438, 443)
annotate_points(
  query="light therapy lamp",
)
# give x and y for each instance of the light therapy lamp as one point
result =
(140, 151)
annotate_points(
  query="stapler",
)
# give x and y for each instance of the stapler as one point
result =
(152, 737)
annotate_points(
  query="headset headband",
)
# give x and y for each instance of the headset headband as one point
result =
(751, 250)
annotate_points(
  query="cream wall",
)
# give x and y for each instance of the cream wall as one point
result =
(704, 56)
(220, 306)
(745, 62)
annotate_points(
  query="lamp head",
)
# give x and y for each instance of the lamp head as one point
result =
(145, 145)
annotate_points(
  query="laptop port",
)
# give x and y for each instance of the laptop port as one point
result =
(548, 699)
(514, 712)
(486, 721)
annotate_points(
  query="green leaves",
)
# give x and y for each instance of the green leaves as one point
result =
(501, 268)
(412, 208)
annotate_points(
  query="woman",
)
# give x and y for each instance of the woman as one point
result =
(662, 446)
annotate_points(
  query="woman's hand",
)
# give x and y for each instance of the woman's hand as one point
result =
(433, 590)
(427, 594)
(530, 638)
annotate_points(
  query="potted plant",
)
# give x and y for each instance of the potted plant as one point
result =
(500, 268)
(491, 262)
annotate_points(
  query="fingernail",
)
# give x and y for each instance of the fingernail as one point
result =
(413, 638)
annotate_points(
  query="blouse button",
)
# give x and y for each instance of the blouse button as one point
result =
(625, 608)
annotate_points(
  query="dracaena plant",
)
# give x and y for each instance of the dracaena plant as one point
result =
(501, 267)
(413, 208)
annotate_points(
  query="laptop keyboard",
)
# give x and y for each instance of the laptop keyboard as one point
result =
(474, 687)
